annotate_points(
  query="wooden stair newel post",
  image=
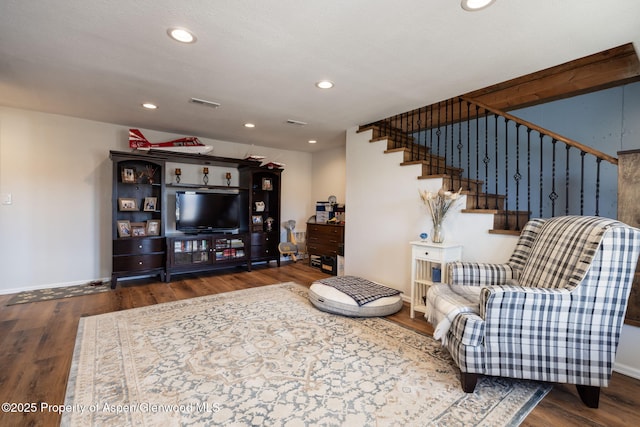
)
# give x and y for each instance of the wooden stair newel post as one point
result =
(629, 213)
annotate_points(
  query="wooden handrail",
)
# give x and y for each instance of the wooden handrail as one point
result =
(543, 131)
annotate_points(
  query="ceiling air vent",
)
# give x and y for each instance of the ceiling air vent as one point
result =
(296, 122)
(205, 102)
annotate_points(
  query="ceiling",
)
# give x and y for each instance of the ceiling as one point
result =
(101, 59)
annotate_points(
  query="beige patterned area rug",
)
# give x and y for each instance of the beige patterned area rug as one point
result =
(266, 356)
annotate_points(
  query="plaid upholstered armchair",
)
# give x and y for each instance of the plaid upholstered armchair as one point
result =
(552, 313)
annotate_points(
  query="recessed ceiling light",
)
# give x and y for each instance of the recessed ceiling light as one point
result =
(149, 106)
(312, 141)
(324, 84)
(182, 35)
(249, 125)
(473, 5)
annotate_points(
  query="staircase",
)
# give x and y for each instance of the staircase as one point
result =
(445, 137)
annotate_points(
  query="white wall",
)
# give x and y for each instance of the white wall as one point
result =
(329, 175)
(57, 169)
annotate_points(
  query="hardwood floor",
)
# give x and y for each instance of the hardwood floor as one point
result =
(37, 342)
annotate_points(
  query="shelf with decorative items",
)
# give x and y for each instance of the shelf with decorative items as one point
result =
(204, 187)
(215, 177)
(263, 219)
(428, 266)
(138, 216)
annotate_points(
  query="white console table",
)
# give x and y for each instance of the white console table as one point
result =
(424, 257)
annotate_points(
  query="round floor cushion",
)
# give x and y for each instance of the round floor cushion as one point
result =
(330, 299)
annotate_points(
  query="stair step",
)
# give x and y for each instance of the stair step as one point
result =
(479, 211)
(515, 220)
(415, 155)
(406, 153)
(394, 144)
(418, 152)
(436, 161)
(434, 166)
(379, 133)
(494, 202)
(458, 182)
(505, 232)
(500, 225)
(396, 139)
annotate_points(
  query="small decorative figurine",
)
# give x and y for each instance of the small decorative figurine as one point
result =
(269, 223)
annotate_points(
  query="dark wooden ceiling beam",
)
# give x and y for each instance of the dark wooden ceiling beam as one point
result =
(604, 70)
(613, 67)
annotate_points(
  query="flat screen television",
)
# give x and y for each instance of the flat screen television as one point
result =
(207, 212)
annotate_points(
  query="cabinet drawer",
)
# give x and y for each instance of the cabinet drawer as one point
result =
(429, 254)
(264, 245)
(261, 239)
(263, 251)
(325, 231)
(137, 246)
(138, 262)
(322, 249)
(323, 246)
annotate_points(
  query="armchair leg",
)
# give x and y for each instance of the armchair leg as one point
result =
(468, 381)
(590, 395)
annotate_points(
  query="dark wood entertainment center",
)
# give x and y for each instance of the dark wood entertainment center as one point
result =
(145, 239)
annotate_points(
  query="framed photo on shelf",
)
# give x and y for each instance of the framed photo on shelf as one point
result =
(124, 229)
(127, 204)
(138, 229)
(256, 219)
(150, 204)
(153, 227)
(129, 175)
(267, 184)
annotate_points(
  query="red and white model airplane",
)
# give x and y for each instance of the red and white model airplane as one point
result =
(189, 144)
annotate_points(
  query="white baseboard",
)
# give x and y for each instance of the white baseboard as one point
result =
(627, 370)
(51, 286)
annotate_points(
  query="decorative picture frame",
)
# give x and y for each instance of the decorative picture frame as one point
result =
(267, 184)
(153, 227)
(127, 204)
(128, 175)
(138, 229)
(150, 204)
(124, 228)
(256, 219)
